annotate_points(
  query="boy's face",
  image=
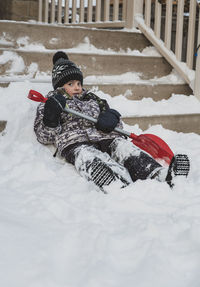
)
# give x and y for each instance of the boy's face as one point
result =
(73, 88)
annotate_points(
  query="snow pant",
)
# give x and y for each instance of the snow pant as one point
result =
(119, 155)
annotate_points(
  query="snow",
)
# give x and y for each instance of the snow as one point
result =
(56, 230)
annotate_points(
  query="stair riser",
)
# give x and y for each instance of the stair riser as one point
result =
(178, 123)
(149, 67)
(60, 37)
(138, 92)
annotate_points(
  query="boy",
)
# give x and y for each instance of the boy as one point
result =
(99, 154)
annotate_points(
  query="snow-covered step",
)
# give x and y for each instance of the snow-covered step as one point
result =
(90, 64)
(157, 90)
(49, 36)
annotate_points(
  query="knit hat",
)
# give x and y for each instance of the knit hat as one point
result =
(64, 70)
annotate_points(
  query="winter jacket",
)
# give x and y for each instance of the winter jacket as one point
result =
(73, 129)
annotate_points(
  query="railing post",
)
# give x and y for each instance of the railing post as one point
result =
(46, 11)
(73, 11)
(147, 13)
(106, 10)
(191, 33)
(98, 11)
(168, 24)
(158, 12)
(179, 30)
(133, 8)
(52, 11)
(82, 11)
(66, 19)
(40, 11)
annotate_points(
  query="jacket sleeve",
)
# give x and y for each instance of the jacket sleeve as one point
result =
(44, 134)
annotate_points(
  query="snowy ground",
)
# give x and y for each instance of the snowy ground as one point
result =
(56, 230)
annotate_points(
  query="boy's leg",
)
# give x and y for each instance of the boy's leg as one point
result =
(142, 166)
(99, 168)
(139, 164)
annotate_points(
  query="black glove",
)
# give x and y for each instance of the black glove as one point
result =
(53, 109)
(108, 120)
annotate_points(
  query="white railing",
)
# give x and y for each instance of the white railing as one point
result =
(184, 15)
(155, 19)
(96, 13)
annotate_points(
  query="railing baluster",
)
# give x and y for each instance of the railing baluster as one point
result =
(157, 28)
(59, 11)
(116, 10)
(179, 30)
(52, 11)
(82, 10)
(133, 9)
(40, 11)
(124, 12)
(106, 10)
(148, 12)
(191, 33)
(168, 23)
(74, 11)
(66, 20)
(98, 11)
(89, 11)
(46, 11)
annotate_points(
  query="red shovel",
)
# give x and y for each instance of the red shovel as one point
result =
(149, 143)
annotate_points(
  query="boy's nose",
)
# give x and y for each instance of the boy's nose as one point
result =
(76, 87)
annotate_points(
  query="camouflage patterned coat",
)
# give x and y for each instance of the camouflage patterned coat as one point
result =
(73, 129)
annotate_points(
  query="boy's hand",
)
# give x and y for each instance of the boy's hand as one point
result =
(53, 109)
(108, 120)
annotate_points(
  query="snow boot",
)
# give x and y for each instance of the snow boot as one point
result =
(102, 175)
(180, 165)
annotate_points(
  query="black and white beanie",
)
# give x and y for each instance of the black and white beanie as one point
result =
(64, 70)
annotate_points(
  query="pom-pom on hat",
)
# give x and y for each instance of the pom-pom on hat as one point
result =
(64, 70)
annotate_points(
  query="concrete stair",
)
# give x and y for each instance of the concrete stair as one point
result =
(98, 65)
(114, 61)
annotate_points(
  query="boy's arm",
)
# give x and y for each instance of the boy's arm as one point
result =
(47, 123)
(44, 134)
(108, 118)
